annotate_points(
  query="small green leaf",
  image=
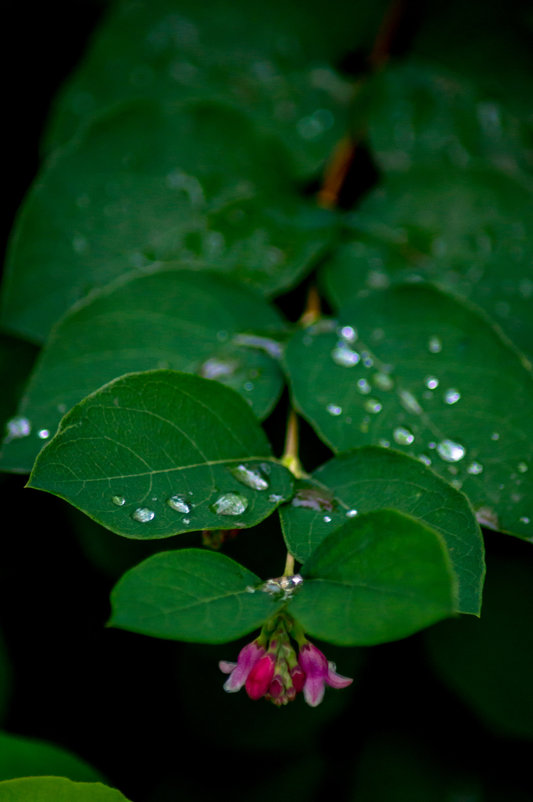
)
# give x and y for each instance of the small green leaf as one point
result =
(157, 453)
(172, 318)
(28, 757)
(56, 789)
(430, 376)
(375, 479)
(381, 577)
(145, 183)
(190, 595)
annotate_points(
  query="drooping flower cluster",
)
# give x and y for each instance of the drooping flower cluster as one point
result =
(268, 666)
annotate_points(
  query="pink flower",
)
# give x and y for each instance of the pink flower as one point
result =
(318, 673)
(239, 671)
(260, 677)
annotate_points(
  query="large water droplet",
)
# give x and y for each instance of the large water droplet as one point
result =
(409, 402)
(434, 345)
(178, 504)
(313, 498)
(251, 477)
(18, 427)
(230, 504)
(450, 451)
(215, 368)
(452, 396)
(334, 409)
(403, 436)
(344, 356)
(143, 514)
(118, 501)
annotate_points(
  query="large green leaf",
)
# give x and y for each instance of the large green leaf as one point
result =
(28, 757)
(145, 183)
(467, 230)
(488, 662)
(156, 453)
(171, 318)
(56, 789)
(430, 375)
(375, 479)
(190, 595)
(381, 577)
(272, 60)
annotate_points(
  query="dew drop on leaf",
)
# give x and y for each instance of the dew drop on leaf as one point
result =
(18, 427)
(373, 406)
(351, 513)
(43, 434)
(178, 504)
(345, 356)
(434, 345)
(313, 498)
(524, 519)
(450, 451)
(347, 333)
(364, 387)
(403, 436)
(522, 467)
(452, 396)
(383, 381)
(118, 501)
(475, 468)
(334, 409)
(218, 368)
(409, 402)
(431, 382)
(251, 477)
(143, 515)
(230, 504)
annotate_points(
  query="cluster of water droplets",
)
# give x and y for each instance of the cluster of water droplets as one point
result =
(20, 427)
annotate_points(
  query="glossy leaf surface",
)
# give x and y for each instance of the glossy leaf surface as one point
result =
(430, 376)
(188, 321)
(190, 595)
(157, 453)
(28, 757)
(146, 183)
(369, 479)
(379, 578)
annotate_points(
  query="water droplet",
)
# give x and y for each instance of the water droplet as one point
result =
(475, 468)
(62, 408)
(367, 359)
(143, 514)
(384, 443)
(409, 402)
(334, 409)
(351, 513)
(524, 519)
(347, 333)
(371, 405)
(434, 345)
(230, 504)
(425, 459)
(275, 498)
(118, 501)
(43, 434)
(383, 381)
(178, 504)
(452, 396)
(431, 382)
(326, 519)
(495, 436)
(450, 451)
(522, 467)
(363, 386)
(344, 356)
(403, 436)
(314, 498)
(18, 427)
(186, 521)
(248, 386)
(251, 477)
(215, 368)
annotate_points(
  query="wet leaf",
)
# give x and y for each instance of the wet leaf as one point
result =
(194, 322)
(157, 453)
(431, 377)
(369, 479)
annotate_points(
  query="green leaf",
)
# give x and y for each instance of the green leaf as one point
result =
(424, 116)
(429, 375)
(190, 595)
(157, 453)
(271, 60)
(375, 479)
(28, 757)
(381, 577)
(56, 789)
(488, 662)
(145, 183)
(179, 319)
(466, 230)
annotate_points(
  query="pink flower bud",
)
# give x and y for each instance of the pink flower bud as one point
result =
(298, 679)
(318, 673)
(260, 677)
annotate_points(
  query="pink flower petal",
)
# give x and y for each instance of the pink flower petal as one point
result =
(337, 680)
